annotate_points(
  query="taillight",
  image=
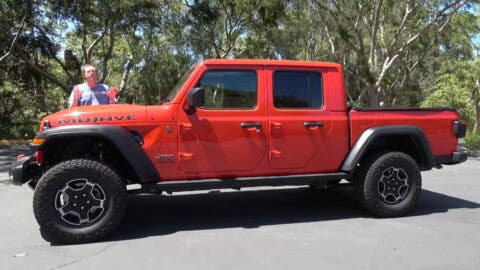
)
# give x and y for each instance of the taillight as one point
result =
(459, 128)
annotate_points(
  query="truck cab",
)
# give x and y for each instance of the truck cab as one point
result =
(261, 118)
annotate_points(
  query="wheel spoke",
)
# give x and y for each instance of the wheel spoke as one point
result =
(80, 202)
(393, 185)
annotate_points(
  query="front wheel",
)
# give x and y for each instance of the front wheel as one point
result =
(388, 184)
(79, 201)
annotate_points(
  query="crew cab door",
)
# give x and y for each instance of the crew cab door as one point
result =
(299, 118)
(228, 133)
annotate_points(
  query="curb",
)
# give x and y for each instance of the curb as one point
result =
(10, 142)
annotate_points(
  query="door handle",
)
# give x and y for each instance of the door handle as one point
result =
(313, 124)
(251, 125)
(275, 125)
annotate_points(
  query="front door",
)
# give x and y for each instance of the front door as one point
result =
(228, 133)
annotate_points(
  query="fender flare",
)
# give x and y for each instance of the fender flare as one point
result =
(369, 136)
(118, 136)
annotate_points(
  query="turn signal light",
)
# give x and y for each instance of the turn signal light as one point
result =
(38, 141)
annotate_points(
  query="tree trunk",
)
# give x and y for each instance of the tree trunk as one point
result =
(476, 101)
(477, 113)
(373, 95)
(126, 72)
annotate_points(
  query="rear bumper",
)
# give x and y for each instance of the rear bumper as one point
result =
(456, 157)
(20, 170)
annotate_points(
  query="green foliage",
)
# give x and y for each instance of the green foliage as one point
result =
(472, 140)
(22, 131)
(449, 93)
(455, 87)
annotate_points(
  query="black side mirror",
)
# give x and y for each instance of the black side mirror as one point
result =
(195, 99)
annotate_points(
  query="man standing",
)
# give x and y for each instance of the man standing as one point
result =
(91, 92)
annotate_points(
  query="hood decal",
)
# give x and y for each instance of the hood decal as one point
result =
(95, 119)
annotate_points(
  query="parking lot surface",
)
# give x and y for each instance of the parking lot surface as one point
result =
(267, 228)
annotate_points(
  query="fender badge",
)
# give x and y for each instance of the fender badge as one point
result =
(165, 158)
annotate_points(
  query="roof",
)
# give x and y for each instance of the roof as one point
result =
(268, 62)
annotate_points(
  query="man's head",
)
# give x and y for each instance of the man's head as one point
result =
(89, 73)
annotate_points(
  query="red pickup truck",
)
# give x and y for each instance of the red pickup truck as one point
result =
(231, 124)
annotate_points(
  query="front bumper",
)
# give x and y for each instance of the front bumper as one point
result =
(21, 170)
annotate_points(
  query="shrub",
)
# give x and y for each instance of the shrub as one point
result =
(18, 131)
(472, 140)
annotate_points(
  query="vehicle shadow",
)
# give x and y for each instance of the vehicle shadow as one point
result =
(162, 215)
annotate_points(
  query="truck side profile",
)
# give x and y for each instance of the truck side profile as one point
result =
(231, 124)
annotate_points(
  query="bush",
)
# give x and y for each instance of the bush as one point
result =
(24, 131)
(472, 140)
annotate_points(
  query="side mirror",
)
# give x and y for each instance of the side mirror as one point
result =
(195, 99)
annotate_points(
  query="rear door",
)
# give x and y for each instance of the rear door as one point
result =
(228, 133)
(299, 118)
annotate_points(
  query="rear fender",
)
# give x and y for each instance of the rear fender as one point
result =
(371, 135)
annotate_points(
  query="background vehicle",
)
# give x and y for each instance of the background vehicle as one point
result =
(231, 124)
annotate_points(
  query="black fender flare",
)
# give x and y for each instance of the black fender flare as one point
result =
(369, 136)
(126, 143)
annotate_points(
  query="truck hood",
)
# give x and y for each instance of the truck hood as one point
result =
(117, 114)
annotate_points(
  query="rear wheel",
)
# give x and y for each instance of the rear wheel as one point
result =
(78, 201)
(388, 183)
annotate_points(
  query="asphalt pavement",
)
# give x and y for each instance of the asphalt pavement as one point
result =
(267, 228)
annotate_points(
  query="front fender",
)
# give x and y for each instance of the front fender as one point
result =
(118, 136)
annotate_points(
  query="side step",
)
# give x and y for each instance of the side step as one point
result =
(243, 182)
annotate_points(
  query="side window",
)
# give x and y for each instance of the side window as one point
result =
(297, 89)
(229, 89)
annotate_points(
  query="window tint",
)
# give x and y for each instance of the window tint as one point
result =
(232, 89)
(297, 89)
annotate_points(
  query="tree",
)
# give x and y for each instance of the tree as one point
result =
(455, 87)
(380, 32)
(214, 26)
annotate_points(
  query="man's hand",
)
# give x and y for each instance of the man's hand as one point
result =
(112, 93)
(113, 89)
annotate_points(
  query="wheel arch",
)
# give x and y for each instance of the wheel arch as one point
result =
(408, 139)
(125, 145)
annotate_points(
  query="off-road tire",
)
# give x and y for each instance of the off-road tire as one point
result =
(370, 179)
(58, 228)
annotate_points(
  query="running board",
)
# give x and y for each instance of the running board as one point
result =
(243, 182)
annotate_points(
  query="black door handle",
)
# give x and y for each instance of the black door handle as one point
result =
(251, 125)
(313, 124)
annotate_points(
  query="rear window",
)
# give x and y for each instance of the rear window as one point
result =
(298, 89)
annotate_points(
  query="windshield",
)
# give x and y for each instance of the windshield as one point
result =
(179, 84)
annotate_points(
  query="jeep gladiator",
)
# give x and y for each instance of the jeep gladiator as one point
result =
(231, 124)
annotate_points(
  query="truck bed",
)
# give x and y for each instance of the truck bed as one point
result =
(436, 123)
